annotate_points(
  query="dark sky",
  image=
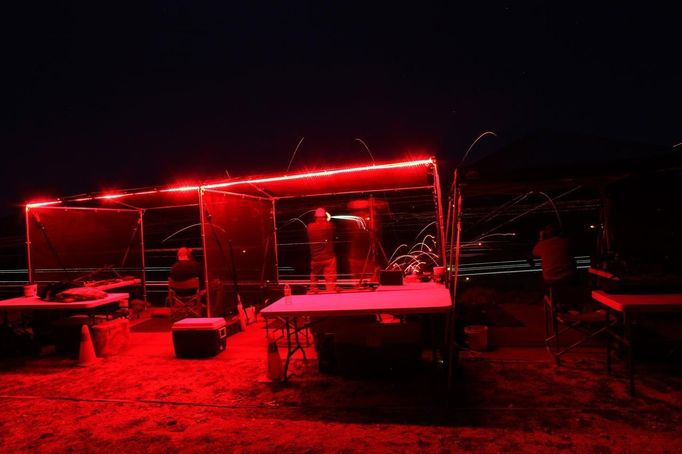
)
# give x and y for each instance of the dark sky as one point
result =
(103, 96)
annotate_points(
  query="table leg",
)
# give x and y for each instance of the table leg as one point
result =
(555, 328)
(627, 321)
(449, 352)
(608, 340)
(291, 329)
(298, 341)
(289, 352)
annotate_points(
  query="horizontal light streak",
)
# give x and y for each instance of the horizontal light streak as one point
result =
(529, 270)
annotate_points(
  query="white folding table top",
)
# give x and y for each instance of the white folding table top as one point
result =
(413, 298)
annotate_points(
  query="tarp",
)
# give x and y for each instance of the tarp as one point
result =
(68, 244)
(239, 238)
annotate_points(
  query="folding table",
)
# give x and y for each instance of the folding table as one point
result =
(630, 305)
(416, 298)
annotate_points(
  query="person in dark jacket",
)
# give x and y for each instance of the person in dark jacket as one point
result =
(186, 268)
(558, 265)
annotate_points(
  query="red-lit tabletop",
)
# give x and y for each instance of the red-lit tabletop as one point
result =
(413, 298)
(629, 305)
(23, 303)
(418, 298)
(665, 302)
(602, 273)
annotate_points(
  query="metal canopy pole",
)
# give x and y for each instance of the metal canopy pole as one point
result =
(202, 217)
(458, 228)
(439, 214)
(450, 335)
(453, 222)
(274, 236)
(142, 254)
(28, 249)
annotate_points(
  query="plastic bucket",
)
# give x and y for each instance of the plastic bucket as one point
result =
(477, 337)
(30, 290)
(438, 274)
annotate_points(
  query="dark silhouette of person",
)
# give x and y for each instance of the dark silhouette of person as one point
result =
(558, 269)
(186, 268)
(554, 249)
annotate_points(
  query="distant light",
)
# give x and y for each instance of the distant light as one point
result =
(592, 226)
(243, 251)
(480, 243)
(467, 278)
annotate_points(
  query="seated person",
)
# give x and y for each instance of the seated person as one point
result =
(186, 268)
(558, 268)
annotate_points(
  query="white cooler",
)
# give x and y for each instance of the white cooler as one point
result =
(199, 337)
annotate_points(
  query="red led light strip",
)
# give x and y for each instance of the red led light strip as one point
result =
(322, 173)
(254, 181)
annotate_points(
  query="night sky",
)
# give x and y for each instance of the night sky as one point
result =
(111, 96)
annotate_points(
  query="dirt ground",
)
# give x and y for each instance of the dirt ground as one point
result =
(147, 400)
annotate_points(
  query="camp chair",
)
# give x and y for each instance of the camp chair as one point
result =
(560, 318)
(184, 298)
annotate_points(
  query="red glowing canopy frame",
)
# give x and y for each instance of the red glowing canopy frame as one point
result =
(254, 193)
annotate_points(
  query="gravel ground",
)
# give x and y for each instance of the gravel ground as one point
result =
(147, 400)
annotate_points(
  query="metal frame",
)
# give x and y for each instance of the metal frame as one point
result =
(68, 203)
(202, 217)
(29, 261)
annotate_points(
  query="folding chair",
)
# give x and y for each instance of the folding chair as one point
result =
(559, 320)
(184, 298)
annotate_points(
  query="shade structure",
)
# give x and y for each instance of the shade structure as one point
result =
(606, 194)
(233, 226)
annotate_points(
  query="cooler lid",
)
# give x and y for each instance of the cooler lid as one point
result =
(199, 323)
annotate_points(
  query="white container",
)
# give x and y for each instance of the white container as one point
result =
(199, 337)
(287, 294)
(477, 337)
(438, 274)
(30, 290)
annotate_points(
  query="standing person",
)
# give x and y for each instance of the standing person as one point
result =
(322, 256)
